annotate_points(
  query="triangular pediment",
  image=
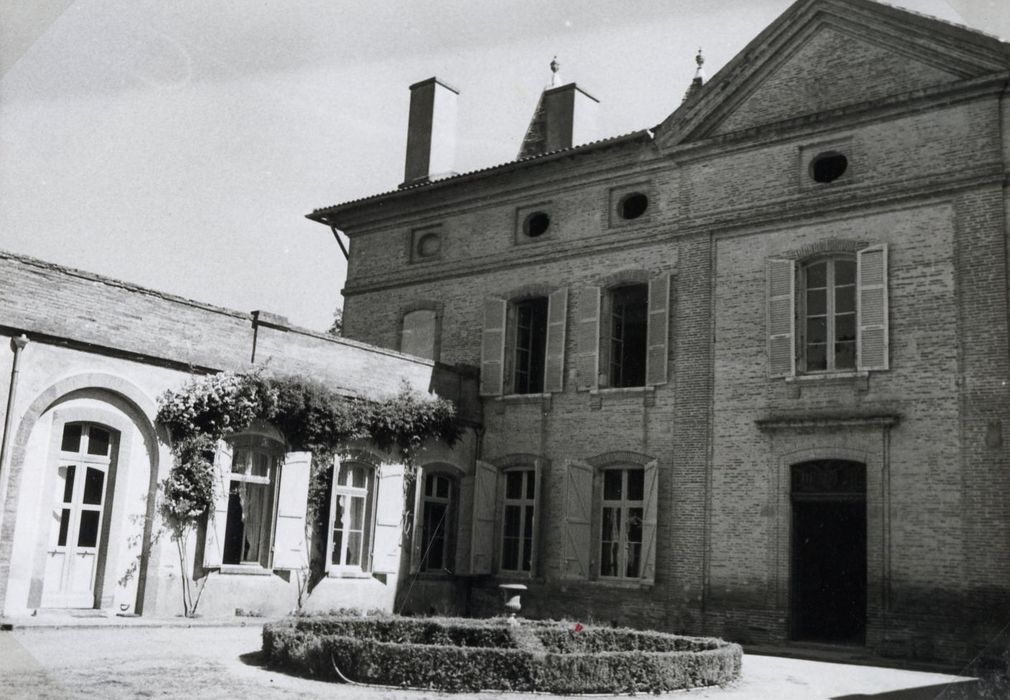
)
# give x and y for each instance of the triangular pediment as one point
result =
(822, 55)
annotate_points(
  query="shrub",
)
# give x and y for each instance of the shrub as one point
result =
(453, 654)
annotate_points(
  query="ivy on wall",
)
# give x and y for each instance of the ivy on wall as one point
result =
(311, 417)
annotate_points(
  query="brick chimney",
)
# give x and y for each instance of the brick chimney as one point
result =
(565, 116)
(431, 132)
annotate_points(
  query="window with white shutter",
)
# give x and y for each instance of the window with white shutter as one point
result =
(290, 549)
(483, 521)
(872, 334)
(781, 318)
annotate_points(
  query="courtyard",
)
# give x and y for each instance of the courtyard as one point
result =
(101, 659)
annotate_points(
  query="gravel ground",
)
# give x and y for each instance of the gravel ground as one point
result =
(222, 662)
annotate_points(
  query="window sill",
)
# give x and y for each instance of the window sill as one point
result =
(647, 394)
(244, 570)
(519, 398)
(632, 584)
(359, 574)
(828, 377)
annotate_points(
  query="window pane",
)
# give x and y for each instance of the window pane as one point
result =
(634, 525)
(257, 509)
(418, 335)
(442, 484)
(68, 484)
(636, 484)
(817, 330)
(358, 477)
(260, 464)
(357, 520)
(98, 441)
(845, 355)
(71, 437)
(240, 461)
(93, 481)
(528, 538)
(817, 358)
(510, 554)
(634, 566)
(513, 485)
(64, 526)
(429, 485)
(531, 486)
(511, 527)
(531, 345)
(611, 530)
(234, 534)
(87, 536)
(354, 549)
(817, 275)
(817, 302)
(845, 327)
(845, 300)
(845, 272)
(612, 485)
(608, 559)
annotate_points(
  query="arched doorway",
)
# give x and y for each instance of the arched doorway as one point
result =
(828, 591)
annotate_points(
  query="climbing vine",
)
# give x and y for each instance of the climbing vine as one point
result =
(311, 416)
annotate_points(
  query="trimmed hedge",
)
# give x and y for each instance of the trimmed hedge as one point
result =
(454, 654)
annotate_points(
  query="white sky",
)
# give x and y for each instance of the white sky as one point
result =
(179, 145)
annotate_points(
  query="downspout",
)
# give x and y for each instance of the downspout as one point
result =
(17, 345)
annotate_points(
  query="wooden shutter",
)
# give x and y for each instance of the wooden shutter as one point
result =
(213, 543)
(386, 542)
(464, 531)
(417, 528)
(482, 537)
(557, 316)
(651, 498)
(589, 338)
(657, 357)
(871, 308)
(290, 549)
(331, 518)
(578, 520)
(781, 317)
(492, 348)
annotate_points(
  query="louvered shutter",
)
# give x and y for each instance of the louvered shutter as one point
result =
(386, 543)
(589, 338)
(482, 533)
(650, 498)
(464, 531)
(578, 520)
(871, 308)
(557, 316)
(492, 348)
(331, 520)
(417, 529)
(781, 317)
(290, 550)
(657, 357)
(213, 544)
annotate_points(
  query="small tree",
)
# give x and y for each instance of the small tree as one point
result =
(186, 496)
(337, 327)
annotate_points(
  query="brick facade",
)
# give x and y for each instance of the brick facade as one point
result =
(915, 105)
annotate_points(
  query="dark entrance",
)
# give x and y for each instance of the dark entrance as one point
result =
(829, 552)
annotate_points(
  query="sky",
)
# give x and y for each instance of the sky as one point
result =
(179, 145)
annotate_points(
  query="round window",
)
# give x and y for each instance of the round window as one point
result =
(429, 245)
(828, 166)
(632, 205)
(536, 224)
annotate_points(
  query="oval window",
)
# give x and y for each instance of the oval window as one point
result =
(828, 167)
(632, 205)
(429, 245)
(536, 224)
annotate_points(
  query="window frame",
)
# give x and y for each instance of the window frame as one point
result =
(448, 523)
(830, 313)
(624, 505)
(536, 347)
(274, 451)
(530, 475)
(368, 493)
(608, 368)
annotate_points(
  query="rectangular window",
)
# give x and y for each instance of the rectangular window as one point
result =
(351, 515)
(530, 345)
(249, 525)
(621, 523)
(419, 334)
(436, 522)
(629, 324)
(517, 521)
(829, 315)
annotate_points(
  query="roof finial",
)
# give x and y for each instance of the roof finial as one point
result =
(555, 75)
(699, 77)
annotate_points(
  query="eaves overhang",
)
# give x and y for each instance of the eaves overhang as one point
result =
(331, 216)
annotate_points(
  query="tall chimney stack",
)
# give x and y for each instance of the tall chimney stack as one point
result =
(564, 117)
(431, 132)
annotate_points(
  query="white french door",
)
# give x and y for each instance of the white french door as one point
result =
(75, 537)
